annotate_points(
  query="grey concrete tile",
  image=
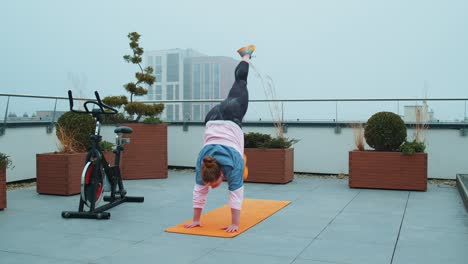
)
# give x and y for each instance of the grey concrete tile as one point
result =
(448, 202)
(356, 226)
(297, 185)
(87, 248)
(30, 201)
(332, 188)
(305, 231)
(387, 202)
(25, 239)
(267, 245)
(423, 246)
(18, 219)
(324, 202)
(339, 251)
(383, 220)
(185, 240)
(436, 221)
(271, 195)
(360, 233)
(154, 253)
(445, 241)
(228, 257)
(20, 258)
(418, 245)
(379, 228)
(46, 243)
(367, 194)
(307, 211)
(257, 187)
(308, 261)
(294, 223)
(409, 255)
(116, 228)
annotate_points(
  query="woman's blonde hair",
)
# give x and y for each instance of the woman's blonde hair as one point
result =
(210, 169)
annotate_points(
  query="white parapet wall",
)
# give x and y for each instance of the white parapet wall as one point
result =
(320, 149)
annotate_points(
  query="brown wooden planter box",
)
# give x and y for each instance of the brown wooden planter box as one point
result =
(387, 170)
(3, 193)
(145, 157)
(60, 173)
(270, 165)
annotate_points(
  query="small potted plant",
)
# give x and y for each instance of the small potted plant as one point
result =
(269, 159)
(146, 156)
(394, 163)
(59, 172)
(5, 162)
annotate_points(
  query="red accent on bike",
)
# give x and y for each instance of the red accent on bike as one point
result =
(89, 172)
(99, 191)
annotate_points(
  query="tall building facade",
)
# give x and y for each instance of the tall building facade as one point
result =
(168, 68)
(188, 74)
(207, 78)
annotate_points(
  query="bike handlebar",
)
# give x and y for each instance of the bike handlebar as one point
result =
(102, 106)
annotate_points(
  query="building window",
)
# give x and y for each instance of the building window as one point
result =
(176, 91)
(170, 92)
(216, 82)
(151, 93)
(206, 83)
(158, 93)
(158, 68)
(196, 81)
(172, 67)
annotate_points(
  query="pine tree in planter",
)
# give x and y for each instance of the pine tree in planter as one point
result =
(144, 77)
(146, 156)
(387, 167)
(5, 162)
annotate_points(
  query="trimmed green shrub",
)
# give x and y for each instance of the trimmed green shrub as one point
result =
(385, 131)
(152, 120)
(73, 131)
(256, 140)
(282, 142)
(412, 147)
(260, 140)
(106, 146)
(118, 118)
(140, 109)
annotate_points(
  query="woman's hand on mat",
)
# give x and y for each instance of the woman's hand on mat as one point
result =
(231, 228)
(193, 224)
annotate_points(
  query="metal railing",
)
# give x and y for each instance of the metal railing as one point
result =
(261, 114)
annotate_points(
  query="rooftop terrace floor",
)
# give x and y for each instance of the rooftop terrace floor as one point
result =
(326, 223)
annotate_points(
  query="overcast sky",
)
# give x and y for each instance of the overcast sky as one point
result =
(310, 48)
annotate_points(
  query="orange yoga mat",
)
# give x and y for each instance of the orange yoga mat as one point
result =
(253, 212)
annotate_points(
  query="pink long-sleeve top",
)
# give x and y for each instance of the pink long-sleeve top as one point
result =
(223, 140)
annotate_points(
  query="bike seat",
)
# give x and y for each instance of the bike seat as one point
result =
(123, 129)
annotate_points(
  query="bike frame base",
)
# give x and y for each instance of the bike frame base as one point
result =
(98, 212)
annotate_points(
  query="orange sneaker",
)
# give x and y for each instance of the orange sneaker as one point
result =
(247, 50)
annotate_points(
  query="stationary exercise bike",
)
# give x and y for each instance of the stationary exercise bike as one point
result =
(98, 176)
